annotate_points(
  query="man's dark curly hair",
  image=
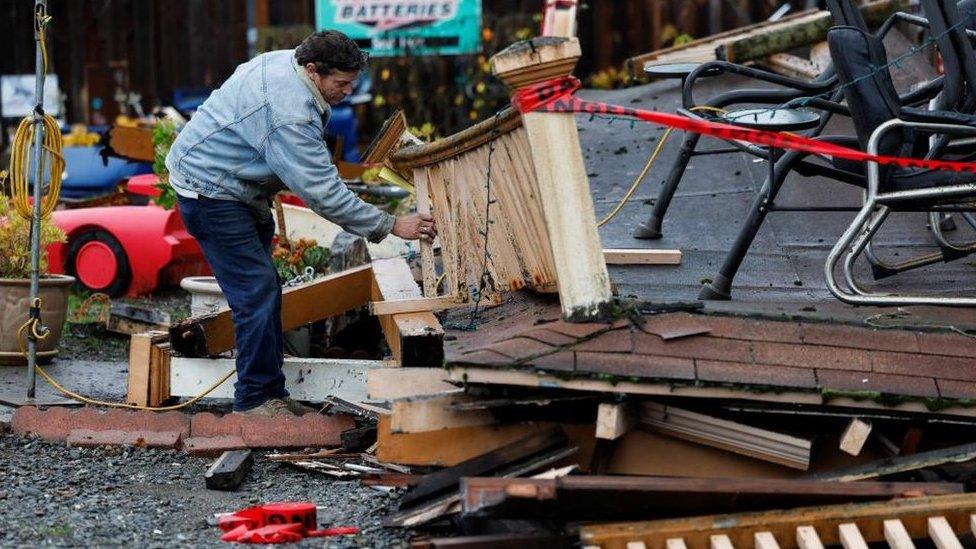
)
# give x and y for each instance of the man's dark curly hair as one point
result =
(331, 50)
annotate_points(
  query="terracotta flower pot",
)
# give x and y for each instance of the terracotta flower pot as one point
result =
(14, 304)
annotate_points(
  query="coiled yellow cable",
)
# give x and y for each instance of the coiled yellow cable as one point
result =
(20, 163)
(647, 167)
(20, 156)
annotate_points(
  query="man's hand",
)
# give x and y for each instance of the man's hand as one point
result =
(412, 227)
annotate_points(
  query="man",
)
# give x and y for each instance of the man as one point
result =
(262, 128)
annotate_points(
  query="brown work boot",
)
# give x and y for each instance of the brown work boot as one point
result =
(270, 408)
(297, 408)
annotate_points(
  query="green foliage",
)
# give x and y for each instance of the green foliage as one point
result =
(291, 260)
(15, 254)
(163, 135)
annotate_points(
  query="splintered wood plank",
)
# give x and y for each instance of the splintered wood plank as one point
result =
(942, 534)
(807, 538)
(850, 536)
(896, 535)
(431, 413)
(675, 543)
(322, 298)
(766, 540)
(720, 541)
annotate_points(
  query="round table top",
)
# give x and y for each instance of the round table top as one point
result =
(772, 119)
(673, 70)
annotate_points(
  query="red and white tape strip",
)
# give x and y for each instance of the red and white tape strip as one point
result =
(558, 96)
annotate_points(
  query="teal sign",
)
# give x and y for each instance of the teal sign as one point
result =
(389, 28)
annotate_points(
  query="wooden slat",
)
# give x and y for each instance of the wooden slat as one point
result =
(621, 256)
(728, 435)
(850, 536)
(913, 512)
(390, 383)
(675, 543)
(571, 498)
(418, 305)
(807, 538)
(766, 540)
(322, 298)
(897, 535)
(636, 545)
(720, 541)
(426, 245)
(942, 534)
(900, 464)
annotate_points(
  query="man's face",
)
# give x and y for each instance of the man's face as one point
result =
(334, 87)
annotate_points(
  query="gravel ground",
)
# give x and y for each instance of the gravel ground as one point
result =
(58, 496)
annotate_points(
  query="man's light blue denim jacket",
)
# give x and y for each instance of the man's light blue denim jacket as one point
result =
(262, 128)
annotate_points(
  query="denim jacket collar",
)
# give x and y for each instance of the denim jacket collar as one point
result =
(303, 76)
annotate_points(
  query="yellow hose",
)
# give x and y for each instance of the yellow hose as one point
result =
(20, 163)
(647, 167)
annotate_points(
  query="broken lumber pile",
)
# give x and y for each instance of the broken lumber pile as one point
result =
(755, 42)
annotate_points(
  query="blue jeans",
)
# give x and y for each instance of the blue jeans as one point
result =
(236, 241)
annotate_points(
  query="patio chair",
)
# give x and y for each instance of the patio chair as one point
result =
(886, 128)
(847, 172)
(842, 13)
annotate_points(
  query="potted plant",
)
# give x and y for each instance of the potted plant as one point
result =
(15, 286)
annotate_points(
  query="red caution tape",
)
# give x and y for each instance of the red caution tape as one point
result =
(277, 523)
(557, 96)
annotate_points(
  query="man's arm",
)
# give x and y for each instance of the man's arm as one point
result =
(297, 154)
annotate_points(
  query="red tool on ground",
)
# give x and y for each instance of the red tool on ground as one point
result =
(277, 523)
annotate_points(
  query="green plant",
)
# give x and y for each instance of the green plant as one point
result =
(293, 258)
(15, 255)
(163, 135)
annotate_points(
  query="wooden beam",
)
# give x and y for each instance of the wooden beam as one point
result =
(416, 305)
(728, 435)
(765, 540)
(325, 297)
(900, 464)
(310, 379)
(415, 339)
(854, 436)
(613, 420)
(391, 383)
(913, 512)
(431, 413)
(641, 257)
(563, 187)
(572, 498)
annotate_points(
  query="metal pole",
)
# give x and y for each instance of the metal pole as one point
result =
(40, 12)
